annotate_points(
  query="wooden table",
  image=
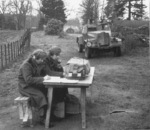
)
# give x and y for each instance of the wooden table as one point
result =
(83, 84)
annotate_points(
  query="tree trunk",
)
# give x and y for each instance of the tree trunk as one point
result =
(141, 8)
(129, 13)
(3, 21)
(24, 21)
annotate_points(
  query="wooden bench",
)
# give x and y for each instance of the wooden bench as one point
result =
(25, 110)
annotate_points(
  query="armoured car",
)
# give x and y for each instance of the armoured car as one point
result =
(94, 40)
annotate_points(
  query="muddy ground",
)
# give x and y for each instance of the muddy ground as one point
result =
(119, 98)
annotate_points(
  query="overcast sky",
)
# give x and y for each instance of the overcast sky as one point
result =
(73, 7)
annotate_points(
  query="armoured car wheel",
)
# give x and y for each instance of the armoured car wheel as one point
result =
(117, 51)
(80, 48)
(77, 40)
(87, 52)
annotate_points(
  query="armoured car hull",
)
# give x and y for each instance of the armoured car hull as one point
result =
(98, 41)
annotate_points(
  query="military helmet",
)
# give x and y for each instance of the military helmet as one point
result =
(55, 50)
(39, 54)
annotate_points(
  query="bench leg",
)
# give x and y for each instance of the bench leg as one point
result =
(30, 116)
(20, 106)
(26, 114)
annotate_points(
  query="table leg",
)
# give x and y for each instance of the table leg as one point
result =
(83, 107)
(48, 114)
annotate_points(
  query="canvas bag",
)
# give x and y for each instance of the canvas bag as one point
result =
(72, 104)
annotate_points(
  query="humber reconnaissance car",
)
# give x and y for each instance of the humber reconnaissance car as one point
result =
(93, 40)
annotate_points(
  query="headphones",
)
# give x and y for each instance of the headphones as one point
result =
(33, 57)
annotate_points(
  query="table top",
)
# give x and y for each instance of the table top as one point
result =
(57, 81)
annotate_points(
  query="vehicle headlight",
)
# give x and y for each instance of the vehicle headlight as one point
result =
(89, 44)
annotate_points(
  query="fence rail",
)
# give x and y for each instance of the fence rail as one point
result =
(10, 51)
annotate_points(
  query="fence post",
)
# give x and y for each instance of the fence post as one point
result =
(8, 54)
(11, 51)
(18, 47)
(29, 38)
(14, 50)
(5, 55)
(2, 65)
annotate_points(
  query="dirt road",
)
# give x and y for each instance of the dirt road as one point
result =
(119, 98)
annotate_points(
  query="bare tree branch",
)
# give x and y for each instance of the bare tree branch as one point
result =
(21, 8)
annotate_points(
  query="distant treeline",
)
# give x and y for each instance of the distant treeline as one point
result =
(73, 22)
(9, 21)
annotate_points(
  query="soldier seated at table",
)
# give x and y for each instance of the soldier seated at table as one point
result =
(30, 81)
(54, 68)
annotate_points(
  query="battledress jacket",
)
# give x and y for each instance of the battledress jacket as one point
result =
(54, 68)
(30, 83)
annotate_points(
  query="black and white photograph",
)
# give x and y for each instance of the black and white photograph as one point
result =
(74, 65)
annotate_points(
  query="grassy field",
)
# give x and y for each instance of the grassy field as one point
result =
(9, 35)
(118, 99)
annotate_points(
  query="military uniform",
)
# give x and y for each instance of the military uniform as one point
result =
(30, 83)
(53, 68)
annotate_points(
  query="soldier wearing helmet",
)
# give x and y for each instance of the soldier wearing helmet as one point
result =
(54, 59)
(54, 68)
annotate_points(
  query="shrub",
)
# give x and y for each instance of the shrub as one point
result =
(140, 27)
(54, 27)
(133, 33)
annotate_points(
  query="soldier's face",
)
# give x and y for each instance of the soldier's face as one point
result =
(55, 57)
(39, 61)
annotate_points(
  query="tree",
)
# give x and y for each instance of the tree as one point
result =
(119, 8)
(54, 27)
(9, 22)
(134, 8)
(2, 21)
(138, 11)
(20, 9)
(109, 9)
(54, 9)
(96, 10)
(90, 10)
(41, 23)
(3, 9)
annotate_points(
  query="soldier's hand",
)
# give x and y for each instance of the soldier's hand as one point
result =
(47, 77)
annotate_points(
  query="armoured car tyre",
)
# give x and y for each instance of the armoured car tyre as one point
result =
(87, 52)
(117, 51)
(114, 50)
(80, 48)
(77, 40)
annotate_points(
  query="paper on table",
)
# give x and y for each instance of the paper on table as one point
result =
(54, 79)
(64, 80)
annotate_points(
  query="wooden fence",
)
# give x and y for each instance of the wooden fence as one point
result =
(10, 51)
